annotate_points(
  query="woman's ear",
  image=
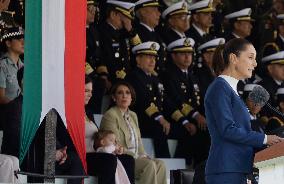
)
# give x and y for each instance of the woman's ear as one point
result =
(233, 58)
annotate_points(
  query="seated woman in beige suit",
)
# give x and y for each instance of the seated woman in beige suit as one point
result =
(124, 123)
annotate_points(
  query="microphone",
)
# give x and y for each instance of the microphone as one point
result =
(260, 96)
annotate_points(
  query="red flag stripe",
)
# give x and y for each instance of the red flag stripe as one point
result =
(75, 50)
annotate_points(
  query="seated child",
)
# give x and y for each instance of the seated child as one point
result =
(105, 142)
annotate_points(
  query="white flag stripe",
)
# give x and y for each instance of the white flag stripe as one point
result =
(53, 46)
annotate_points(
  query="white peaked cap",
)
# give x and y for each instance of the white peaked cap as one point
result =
(148, 48)
(202, 6)
(181, 45)
(242, 13)
(180, 7)
(277, 58)
(212, 43)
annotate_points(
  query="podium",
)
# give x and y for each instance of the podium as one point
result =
(270, 163)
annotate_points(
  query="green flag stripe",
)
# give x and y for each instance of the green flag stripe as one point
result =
(32, 103)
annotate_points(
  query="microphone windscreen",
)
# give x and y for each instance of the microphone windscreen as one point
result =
(259, 95)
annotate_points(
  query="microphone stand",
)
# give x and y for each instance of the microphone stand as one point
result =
(275, 110)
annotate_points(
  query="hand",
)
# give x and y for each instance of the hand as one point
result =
(144, 156)
(126, 22)
(191, 128)
(166, 125)
(273, 139)
(61, 155)
(201, 122)
(119, 150)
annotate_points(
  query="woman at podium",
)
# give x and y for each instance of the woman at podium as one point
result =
(232, 139)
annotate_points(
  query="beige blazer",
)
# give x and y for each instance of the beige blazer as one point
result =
(114, 121)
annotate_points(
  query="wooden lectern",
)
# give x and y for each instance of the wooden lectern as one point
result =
(270, 163)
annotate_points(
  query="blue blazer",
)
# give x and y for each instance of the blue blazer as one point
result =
(232, 139)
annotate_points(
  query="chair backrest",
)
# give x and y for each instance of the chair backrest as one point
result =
(98, 119)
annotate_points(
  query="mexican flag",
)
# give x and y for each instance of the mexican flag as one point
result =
(54, 68)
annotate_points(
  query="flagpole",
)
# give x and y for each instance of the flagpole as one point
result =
(50, 146)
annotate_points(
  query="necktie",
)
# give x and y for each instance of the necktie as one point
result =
(185, 75)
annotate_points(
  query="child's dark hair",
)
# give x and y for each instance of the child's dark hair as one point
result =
(98, 136)
(222, 53)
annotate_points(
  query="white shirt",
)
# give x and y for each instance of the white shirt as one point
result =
(278, 82)
(237, 36)
(148, 27)
(282, 38)
(252, 117)
(233, 83)
(112, 26)
(182, 35)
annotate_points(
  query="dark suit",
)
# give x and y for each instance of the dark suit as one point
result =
(199, 39)
(257, 126)
(204, 76)
(94, 58)
(149, 91)
(182, 89)
(229, 37)
(146, 35)
(169, 35)
(93, 49)
(115, 51)
(232, 139)
(280, 43)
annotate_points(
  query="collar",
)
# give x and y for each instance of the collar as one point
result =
(200, 31)
(252, 117)
(232, 82)
(278, 82)
(282, 38)
(148, 27)
(235, 35)
(9, 60)
(124, 114)
(182, 35)
(112, 26)
(184, 70)
(146, 73)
